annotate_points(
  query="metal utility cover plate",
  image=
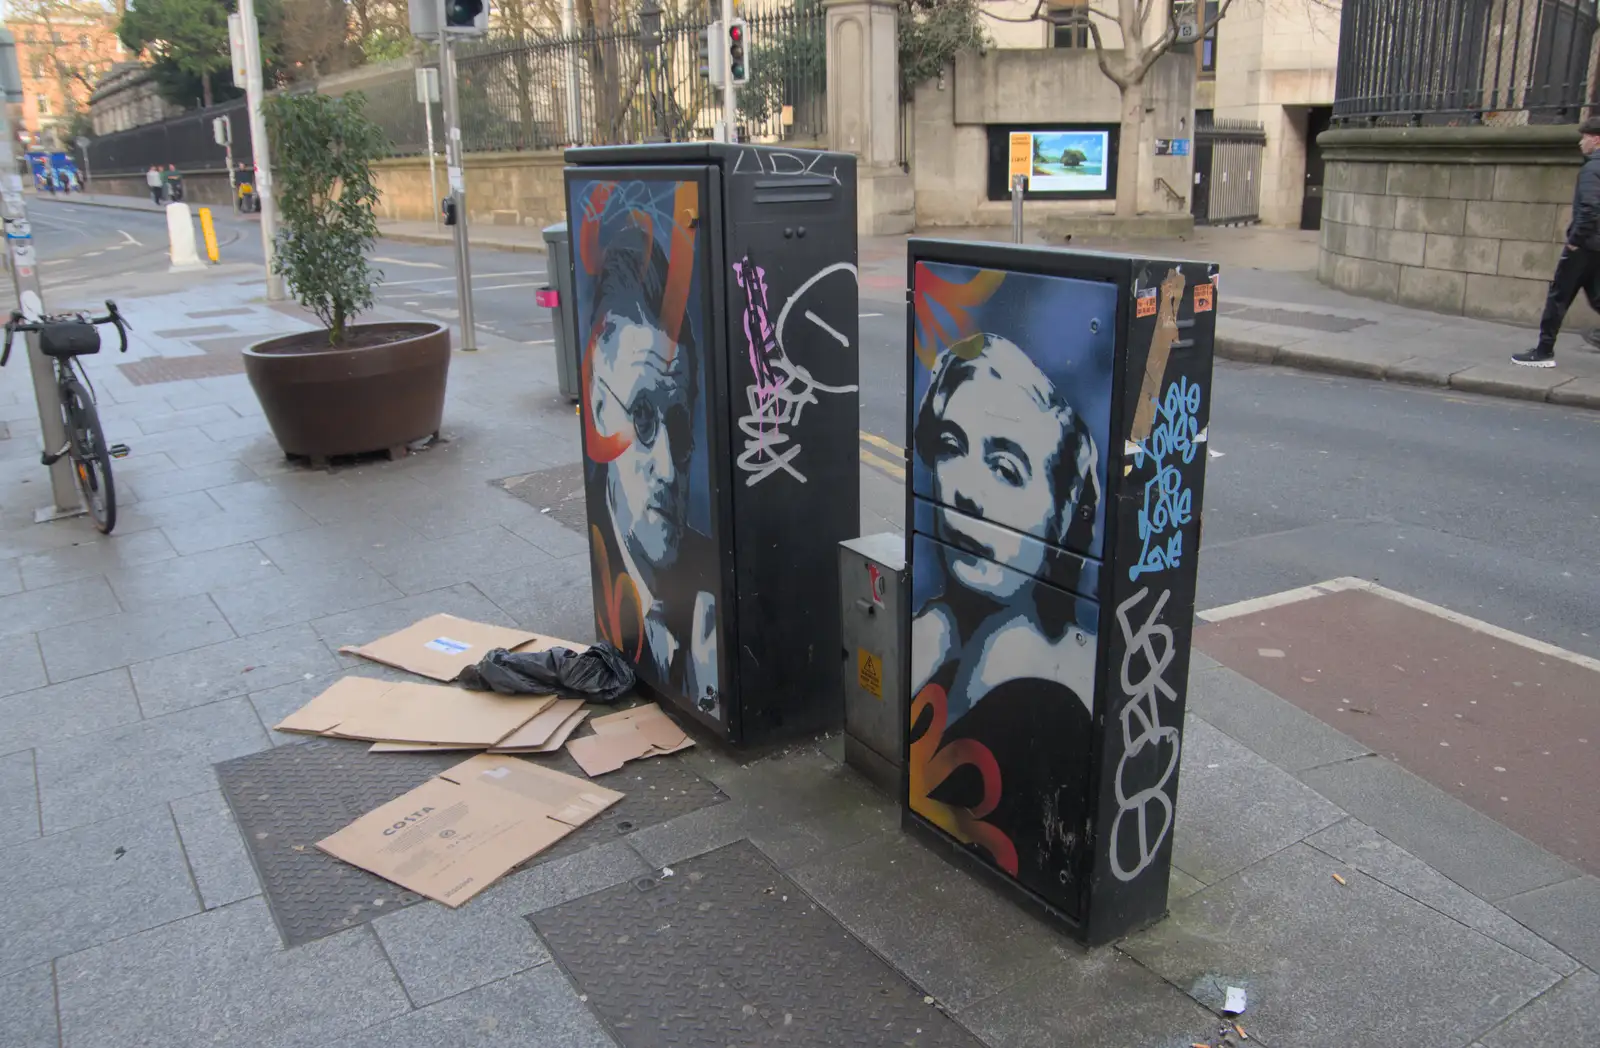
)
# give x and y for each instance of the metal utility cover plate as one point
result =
(730, 951)
(286, 799)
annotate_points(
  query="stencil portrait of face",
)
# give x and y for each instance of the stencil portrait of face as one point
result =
(1004, 446)
(641, 389)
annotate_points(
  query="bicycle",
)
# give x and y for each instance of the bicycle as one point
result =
(64, 337)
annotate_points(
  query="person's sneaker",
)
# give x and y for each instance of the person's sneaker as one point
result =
(1535, 358)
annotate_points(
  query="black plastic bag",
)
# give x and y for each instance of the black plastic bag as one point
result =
(599, 674)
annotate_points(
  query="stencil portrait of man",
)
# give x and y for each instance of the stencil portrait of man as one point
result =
(642, 394)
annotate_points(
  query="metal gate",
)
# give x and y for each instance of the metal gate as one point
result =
(1227, 172)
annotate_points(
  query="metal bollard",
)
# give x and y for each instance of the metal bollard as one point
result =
(1018, 183)
(209, 230)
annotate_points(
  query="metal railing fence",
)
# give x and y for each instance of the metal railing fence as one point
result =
(1465, 61)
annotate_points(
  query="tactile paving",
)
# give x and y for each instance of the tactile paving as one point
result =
(288, 798)
(730, 951)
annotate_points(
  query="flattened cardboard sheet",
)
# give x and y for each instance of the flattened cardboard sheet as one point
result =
(541, 729)
(345, 698)
(439, 714)
(632, 734)
(466, 827)
(441, 646)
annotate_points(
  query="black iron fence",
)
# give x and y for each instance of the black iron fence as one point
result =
(1465, 61)
(185, 141)
(595, 87)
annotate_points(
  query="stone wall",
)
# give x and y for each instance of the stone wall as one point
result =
(200, 188)
(950, 143)
(503, 189)
(1466, 220)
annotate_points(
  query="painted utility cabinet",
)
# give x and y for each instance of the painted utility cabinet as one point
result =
(716, 302)
(1057, 416)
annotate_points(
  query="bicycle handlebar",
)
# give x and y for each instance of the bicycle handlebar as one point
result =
(18, 322)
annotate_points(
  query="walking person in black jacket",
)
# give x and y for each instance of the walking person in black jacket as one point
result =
(1579, 266)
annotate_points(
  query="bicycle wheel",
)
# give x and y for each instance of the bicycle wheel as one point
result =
(91, 461)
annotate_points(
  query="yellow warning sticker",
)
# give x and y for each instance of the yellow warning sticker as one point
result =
(869, 672)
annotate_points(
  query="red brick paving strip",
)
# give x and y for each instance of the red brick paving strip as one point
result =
(1509, 731)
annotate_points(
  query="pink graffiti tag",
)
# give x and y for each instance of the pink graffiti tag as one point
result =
(782, 388)
(758, 330)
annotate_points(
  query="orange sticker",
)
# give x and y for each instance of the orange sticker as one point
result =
(1145, 304)
(1203, 297)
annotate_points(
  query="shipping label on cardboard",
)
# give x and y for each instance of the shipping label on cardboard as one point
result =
(448, 646)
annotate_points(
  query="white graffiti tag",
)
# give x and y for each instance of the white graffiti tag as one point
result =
(1145, 800)
(782, 388)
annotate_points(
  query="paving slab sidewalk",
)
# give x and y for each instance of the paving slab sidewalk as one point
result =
(133, 914)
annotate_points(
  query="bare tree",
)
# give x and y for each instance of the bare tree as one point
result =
(1142, 46)
(315, 39)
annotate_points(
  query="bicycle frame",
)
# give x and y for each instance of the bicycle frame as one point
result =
(64, 371)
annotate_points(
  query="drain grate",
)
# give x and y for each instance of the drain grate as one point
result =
(730, 951)
(288, 798)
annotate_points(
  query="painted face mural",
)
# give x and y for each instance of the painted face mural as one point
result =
(1012, 379)
(640, 300)
(1005, 446)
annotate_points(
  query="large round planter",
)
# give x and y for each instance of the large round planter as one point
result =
(326, 402)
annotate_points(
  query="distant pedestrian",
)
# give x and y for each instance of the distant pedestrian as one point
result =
(153, 179)
(174, 184)
(1579, 266)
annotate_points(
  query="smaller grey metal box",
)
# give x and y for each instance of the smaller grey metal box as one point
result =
(873, 590)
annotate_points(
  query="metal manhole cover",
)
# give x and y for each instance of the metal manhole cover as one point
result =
(730, 951)
(288, 798)
(558, 489)
(153, 370)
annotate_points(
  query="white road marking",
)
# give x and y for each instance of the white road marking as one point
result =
(475, 277)
(129, 238)
(869, 314)
(403, 262)
(540, 342)
(1340, 585)
(503, 287)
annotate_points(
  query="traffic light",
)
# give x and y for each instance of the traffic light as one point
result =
(710, 56)
(466, 17)
(737, 67)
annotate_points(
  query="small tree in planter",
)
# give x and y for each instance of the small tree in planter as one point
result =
(323, 148)
(348, 388)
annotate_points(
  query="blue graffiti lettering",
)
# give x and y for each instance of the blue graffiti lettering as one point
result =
(1168, 502)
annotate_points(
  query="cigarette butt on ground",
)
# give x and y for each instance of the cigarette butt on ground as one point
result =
(1338, 878)
(1240, 1031)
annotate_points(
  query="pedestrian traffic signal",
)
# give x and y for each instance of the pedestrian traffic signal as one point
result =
(737, 70)
(710, 55)
(466, 16)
